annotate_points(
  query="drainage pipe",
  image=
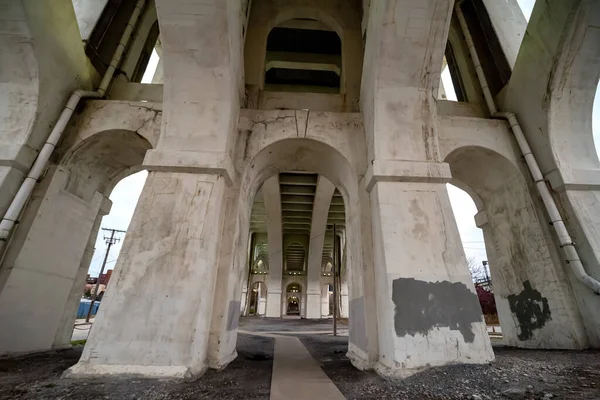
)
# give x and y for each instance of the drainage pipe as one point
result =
(16, 206)
(566, 243)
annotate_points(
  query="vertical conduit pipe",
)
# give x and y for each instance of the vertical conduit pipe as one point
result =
(39, 165)
(566, 243)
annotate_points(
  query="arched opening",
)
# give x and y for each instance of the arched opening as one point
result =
(108, 163)
(303, 55)
(258, 299)
(520, 261)
(301, 158)
(293, 305)
(327, 300)
(465, 213)
(294, 294)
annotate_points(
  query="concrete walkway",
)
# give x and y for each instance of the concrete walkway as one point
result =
(297, 375)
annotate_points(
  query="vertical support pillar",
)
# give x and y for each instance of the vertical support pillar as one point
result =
(509, 24)
(420, 265)
(318, 227)
(324, 300)
(156, 318)
(272, 199)
(44, 269)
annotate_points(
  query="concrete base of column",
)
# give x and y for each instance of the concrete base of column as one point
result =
(273, 305)
(313, 305)
(358, 358)
(222, 361)
(86, 370)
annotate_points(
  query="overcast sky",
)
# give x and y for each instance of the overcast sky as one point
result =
(126, 193)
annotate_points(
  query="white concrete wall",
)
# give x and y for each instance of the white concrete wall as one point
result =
(41, 63)
(551, 91)
(509, 23)
(41, 275)
(318, 227)
(417, 245)
(272, 198)
(168, 273)
(88, 12)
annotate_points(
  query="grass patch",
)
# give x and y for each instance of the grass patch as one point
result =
(78, 342)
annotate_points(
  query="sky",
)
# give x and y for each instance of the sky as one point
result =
(126, 193)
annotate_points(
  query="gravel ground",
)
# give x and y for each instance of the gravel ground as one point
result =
(38, 377)
(516, 374)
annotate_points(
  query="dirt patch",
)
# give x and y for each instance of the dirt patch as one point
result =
(516, 374)
(38, 377)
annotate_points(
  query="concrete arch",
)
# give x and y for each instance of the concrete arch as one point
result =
(316, 157)
(99, 162)
(344, 19)
(100, 115)
(520, 259)
(294, 283)
(263, 286)
(573, 86)
(306, 12)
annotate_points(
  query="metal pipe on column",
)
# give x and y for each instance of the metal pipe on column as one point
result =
(566, 243)
(39, 165)
(335, 288)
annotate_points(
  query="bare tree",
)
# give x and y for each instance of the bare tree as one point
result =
(476, 269)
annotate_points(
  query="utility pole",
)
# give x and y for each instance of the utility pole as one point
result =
(110, 240)
(485, 271)
(335, 307)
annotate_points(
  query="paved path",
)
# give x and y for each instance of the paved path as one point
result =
(296, 374)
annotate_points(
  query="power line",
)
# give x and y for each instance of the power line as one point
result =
(109, 240)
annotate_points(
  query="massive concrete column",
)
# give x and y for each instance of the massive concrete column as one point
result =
(318, 227)
(418, 257)
(552, 91)
(272, 199)
(420, 265)
(324, 299)
(156, 315)
(44, 270)
(528, 277)
(41, 62)
(88, 13)
(509, 24)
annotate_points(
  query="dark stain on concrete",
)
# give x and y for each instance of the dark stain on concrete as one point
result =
(422, 306)
(233, 315)
(530, 309)
(357, 313)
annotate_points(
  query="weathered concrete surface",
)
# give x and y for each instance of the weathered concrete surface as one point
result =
(41, 63)
(186, 256)
(411, 243)
(552, 90)
(169, 277)
(318, 226)
(275, 288)
(50, 255)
